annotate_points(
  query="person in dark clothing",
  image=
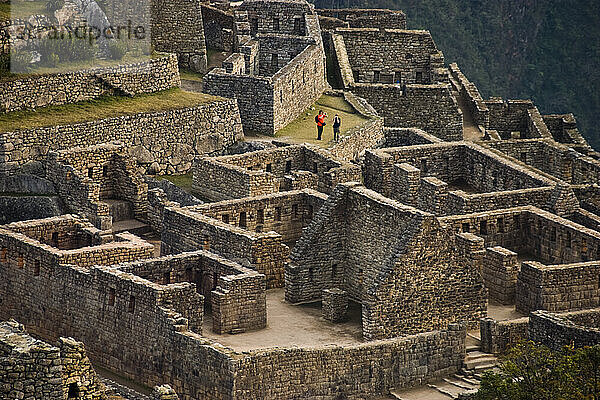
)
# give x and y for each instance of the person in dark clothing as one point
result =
(320, 121)
(336, 127)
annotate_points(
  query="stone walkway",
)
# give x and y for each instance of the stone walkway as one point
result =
(471, 131)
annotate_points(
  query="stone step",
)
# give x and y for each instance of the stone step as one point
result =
(484, 367)
(473, 337)
(477, 354)
(481, 361)
(133, 226)
(459, 383)
(444, 391)
(473, 347)
(418, 393)
(466, 379)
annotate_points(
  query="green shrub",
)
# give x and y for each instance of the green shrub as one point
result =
(21, 61)
(66, 49)
(117, 49)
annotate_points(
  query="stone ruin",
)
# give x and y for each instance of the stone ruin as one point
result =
(432, 237)
(277, 68)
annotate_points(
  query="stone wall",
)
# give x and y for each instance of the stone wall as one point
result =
(499, 336)
(284, 71)
(37, 244)
(559, 330)
(218, 28)
(536, 233)
(358, 371)
(161, 142)
(127, 324)
(431, 108)
(84, 176)
(235, 294)
(286, 213)
(186, 230)
(140, 344)
(298, 85)
(357, 224)
(269, 171)
(30, 368)
(177, 28)
(396, 137)
(563, 128)
(280, 17)
(355, 141)
(367, 18)
(286, 47)
(421, 97)
(36, 91)
(500, 270)
(566, 287)
(399, 56)
(553, 158)
(239, 303)
(254, 95)
(512, 116)
(464, 166)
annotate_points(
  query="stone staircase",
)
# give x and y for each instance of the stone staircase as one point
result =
(462, 385)
(123, 220)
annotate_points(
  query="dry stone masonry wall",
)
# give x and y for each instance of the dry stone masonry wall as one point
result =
(36, 91)
(33, 369)
(161, 142)
(272, 170)
(284, 64)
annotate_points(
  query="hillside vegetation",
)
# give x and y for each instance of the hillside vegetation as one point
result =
(548, 51)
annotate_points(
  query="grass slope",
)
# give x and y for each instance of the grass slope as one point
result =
(303, 129)
(103, 107)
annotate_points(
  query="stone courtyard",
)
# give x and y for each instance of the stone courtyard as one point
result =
(174, 246)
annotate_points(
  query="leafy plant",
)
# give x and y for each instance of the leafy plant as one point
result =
(117, 49)
(530, 371)
(21, 61)
(67, 49)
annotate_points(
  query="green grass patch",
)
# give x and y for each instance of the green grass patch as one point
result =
(182, 181)
(188, 75)
(4, 11)
(303, 129)
(22, 9)
(100, 108)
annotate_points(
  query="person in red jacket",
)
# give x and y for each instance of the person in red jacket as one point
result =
(320, 121)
